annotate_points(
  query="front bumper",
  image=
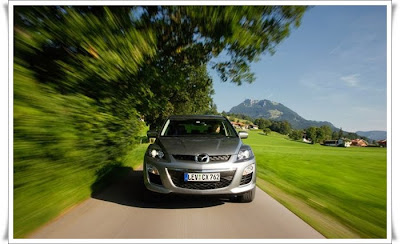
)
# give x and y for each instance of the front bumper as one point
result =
(170, 178)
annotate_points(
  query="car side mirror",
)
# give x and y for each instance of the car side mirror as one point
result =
(243, 134)
(152, 134)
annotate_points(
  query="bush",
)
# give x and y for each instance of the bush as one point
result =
(60, 143)
(267, 131)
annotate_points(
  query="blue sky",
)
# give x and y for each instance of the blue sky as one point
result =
(332, 68)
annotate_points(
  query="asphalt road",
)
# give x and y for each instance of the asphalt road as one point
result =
(126, 210)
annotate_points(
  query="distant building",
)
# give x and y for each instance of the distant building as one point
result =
(239, 125)
(381, 143)
(344, 142)
(359, 143)
(332, 143)
(253, 127)
(337, 143)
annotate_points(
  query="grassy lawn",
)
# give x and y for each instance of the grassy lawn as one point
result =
(44, 192)
(341, 192)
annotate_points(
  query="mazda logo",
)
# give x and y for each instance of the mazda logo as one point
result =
(202, 158)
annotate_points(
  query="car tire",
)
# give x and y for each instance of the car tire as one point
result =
(247, 196)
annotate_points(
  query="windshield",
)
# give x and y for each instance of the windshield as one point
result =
(198, 127)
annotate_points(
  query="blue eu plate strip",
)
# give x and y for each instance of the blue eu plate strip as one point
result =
(186, 177)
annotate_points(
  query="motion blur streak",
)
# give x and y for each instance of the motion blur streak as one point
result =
(86, 78)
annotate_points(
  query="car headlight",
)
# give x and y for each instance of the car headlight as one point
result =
(155, 153)
(244, 154)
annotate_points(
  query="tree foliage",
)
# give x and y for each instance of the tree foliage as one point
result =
(296, 134)
(190, 36)
(262, 123)
(240, 116)
(86, 77)
(267, 131)
(311, 133)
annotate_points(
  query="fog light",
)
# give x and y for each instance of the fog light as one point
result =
(249, 169)
(152, 170)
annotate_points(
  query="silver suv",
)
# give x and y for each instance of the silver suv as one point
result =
(201, 155)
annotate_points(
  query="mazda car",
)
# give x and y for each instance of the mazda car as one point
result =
(200, 155)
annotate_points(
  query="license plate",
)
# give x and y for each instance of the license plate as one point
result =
(201, 176)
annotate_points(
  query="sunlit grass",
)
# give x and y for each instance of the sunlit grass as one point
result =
(347, 185)
(341, 192)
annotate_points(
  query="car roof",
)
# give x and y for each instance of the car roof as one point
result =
(195, 116)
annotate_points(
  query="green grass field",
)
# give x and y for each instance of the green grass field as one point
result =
(341, 192)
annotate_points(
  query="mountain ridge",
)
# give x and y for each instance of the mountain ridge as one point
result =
(373, 134)
(276, 111)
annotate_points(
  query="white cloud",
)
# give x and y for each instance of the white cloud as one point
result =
(351, 80)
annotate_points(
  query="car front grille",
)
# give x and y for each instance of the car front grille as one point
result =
(178, 180)
(184, 157)
(213, 158)
(246, 179)
(220, 158)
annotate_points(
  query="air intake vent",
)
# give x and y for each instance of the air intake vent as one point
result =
(184, 157)
(246, 179)
(213, 158)
(220, 158)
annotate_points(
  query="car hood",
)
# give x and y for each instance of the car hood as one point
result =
(197, 145)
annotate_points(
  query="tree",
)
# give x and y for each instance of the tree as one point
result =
(335, 135)
(285, 127)
(84, 76)
(262, 123)
(296, 134)
(282, 127)
(212, 109)
(267, 131)
(143, 55)
(340, 133)
(311, 133)
(319, 135)
(192, 35)
(327, 132)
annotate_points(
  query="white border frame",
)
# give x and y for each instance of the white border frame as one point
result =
(386, 3)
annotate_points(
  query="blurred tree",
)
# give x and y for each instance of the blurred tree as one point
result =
(262, 123)
(196, 33)
(326, 132)
(211, 110)
(190, 36)
(142, 56)
(285, 127)
(311, 133)
(340, 133)
(319, 135)
(296, 134)
(267, 131)
(335, 135)
(85, 76)
(240, 116)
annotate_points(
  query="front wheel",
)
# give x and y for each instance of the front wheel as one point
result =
(247, 196)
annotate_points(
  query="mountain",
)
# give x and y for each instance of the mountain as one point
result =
(276, 111)
(373, 135)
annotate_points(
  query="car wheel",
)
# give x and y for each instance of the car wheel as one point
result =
(247, 196)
